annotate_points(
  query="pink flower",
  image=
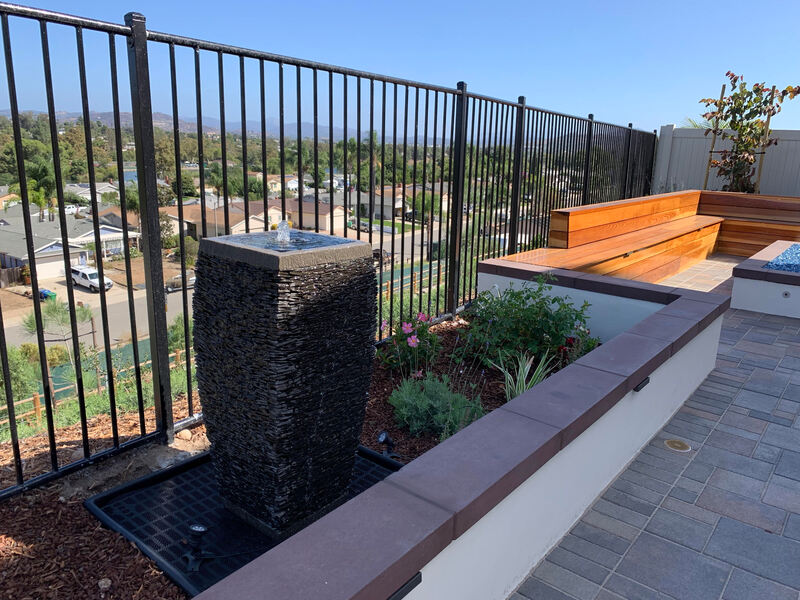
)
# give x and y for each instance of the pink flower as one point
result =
(413, 341)
(417, 374)
(422, 317)
(407, 328)
(384, 325)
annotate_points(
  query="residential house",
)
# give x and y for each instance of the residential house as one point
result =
(84, 190)
(310, 210)
(47, 240)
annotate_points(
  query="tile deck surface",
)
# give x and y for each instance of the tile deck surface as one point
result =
(721, 522)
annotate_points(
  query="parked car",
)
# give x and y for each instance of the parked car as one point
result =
(45, 294)
(70, 209)
(175, 282)
(89, 278)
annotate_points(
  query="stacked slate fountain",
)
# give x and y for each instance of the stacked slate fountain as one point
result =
(283, 335)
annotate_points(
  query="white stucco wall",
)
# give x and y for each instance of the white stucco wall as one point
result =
(766, 297)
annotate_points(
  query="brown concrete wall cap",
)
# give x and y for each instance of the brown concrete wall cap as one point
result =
(471, 472)
(703, 313)
(677, 330)
(365, 549)
(617, 286)
(632, 356)
(572, 399)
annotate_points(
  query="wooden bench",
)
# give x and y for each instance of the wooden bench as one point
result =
(751, 222)
(646, 239)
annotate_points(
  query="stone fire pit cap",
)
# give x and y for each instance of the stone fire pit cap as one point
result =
(305, 249)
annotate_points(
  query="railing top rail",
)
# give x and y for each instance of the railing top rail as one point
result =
(155, 36)
(17, 10)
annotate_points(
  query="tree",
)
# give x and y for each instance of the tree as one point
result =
(22, 375)
(745, 112)
(422, 204)
(56, 323)
(111, 198)
(132, 198)
(187, 186)
(165, 226)
(165, 195)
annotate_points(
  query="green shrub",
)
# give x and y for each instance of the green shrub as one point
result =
(176, 336)
(413, 347)
(30, 352)
(23, 374)
(57, 355)
(429, 406)
(527, 320)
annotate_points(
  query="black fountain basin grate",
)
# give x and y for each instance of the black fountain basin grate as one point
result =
(156, 511)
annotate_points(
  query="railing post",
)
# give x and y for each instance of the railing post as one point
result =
(457, 199)
(625, 189)
(516, 180)
(587, 161)
(149, 219)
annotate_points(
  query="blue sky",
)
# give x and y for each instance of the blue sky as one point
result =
(645, 62)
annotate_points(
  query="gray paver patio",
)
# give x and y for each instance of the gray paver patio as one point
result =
(721, 522)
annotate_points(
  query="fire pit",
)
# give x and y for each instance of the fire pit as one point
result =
(283, 334)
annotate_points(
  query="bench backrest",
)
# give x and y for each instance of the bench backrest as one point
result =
(749, 207)
(571, 227)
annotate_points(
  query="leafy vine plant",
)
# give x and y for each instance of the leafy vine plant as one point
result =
(744, 113)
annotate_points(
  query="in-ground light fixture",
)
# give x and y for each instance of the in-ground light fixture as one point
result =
(387, 442)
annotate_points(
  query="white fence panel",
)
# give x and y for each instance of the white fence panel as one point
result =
(683, 154)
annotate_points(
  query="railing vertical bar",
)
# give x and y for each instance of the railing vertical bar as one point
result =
(381, 298)
(331, 185)
(98, 244)
(488, 114)
(412, 274)
(358, 158)
(316, 153)
(403, 216)
(466, 240)
(181, 231)
(282, 140)
(300, 187)
(442, 247)
(264, 181)
(345, 140)
(457, 198)
(450, 179)
(371, 195)
(123, 205)
(424, 251)
(200, 154)
(62, 221)
(138, 69)
(223, 143)
(245, 176)
(433, 191)
(394, 187)
(23, 193)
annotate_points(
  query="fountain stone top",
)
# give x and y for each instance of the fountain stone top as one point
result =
(266, 249)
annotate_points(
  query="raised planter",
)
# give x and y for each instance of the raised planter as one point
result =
(469, 518)
(765, 290)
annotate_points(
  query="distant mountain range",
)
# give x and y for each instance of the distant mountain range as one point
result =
(212, 125)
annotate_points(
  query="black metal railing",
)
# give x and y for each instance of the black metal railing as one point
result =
(435, 178)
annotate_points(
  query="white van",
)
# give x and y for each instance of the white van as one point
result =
(88, 278)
